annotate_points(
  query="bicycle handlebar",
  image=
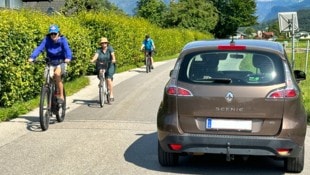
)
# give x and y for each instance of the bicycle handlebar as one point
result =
(49, 61)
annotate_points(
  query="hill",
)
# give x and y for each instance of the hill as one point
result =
(268, 10)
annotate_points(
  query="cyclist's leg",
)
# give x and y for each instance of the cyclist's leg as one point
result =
(109, 76)
(110, 86)
(152, 61)
(59, 84)
(145, 56)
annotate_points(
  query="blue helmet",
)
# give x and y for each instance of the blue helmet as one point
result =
(53, 29)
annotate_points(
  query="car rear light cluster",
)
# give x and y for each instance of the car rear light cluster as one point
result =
(178, 91)
(284, 151)
(290, 91)
(231, 47)
(283, 93)
(175, 147)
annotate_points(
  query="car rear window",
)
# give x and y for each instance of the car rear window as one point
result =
(234, 68)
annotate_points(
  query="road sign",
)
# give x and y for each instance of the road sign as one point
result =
(288, 21)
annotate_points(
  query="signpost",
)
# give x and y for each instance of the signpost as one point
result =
(288, 22)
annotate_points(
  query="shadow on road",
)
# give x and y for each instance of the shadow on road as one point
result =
(33, 122)
(143, 153)
(89, 103)
(138, 70)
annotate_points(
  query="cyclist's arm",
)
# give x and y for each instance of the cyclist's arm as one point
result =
(153, 45)
(142, 46)
(95, 57)
(68, 52)
(37, 51)
(113, 57)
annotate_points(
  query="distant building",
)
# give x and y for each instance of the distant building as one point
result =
(48, 6)
(264, 35)
(13, 4)
(39, 5)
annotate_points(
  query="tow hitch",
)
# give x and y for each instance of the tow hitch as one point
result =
(229, 157)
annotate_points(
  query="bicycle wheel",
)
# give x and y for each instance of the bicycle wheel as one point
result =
(148, 63)
(101, 92)
(45, 110)
(61, 109)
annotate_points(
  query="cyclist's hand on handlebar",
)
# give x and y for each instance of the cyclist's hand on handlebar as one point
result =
(30, 60)
(67, 60)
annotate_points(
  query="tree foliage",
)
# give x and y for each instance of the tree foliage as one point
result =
(152, 10)
(192, 14)
(221, 17)
(232, 15)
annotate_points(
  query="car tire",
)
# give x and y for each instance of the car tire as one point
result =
(166, 158)
(295, 164)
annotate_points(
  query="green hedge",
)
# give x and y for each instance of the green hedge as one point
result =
(21, 31)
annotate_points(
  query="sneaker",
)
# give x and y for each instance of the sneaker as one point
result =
(111, 99)
(60, 101)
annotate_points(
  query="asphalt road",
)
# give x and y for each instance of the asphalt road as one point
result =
(116, 139)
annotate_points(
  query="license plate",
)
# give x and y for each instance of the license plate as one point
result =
(225, 124)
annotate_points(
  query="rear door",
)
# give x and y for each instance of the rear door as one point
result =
(233, 98)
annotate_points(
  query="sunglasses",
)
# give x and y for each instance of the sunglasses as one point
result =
(53, 33)
(104, 43)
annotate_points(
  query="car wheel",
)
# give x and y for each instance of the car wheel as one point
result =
(166, 158)
(295, 164)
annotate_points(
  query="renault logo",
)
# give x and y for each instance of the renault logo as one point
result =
(229, 97)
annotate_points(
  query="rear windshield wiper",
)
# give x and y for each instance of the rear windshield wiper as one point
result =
(215, 80)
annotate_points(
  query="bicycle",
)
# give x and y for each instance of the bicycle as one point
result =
(147, 61)
(104, 93)
(48, 99)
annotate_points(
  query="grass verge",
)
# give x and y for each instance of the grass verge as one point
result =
(24, 107)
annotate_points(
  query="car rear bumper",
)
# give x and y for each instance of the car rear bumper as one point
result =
(232, 145)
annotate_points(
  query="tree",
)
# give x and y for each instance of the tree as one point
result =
(76, 6)
(232, 15)
(192, 14)
(152, 10)
(249, 31)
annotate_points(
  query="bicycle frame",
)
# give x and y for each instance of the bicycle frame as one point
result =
(103, 89)
(52, 89)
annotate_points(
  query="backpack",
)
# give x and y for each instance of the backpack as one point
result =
(148, 44)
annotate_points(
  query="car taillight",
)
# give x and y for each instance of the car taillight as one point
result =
(284, 151)
(175, 147)
(283, 93)
(178, 91)
(231, 47)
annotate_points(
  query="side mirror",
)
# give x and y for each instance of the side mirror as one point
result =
(299, 75)
(171, 71)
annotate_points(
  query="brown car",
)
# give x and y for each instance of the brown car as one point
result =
(234, 98)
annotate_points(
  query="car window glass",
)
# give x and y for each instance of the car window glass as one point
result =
(235, 68)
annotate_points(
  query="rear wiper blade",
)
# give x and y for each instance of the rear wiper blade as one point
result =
(216, 80)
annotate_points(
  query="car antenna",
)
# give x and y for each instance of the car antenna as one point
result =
(232, 40)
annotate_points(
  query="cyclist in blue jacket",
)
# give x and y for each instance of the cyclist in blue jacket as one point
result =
(149, 47)
(58, 51)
